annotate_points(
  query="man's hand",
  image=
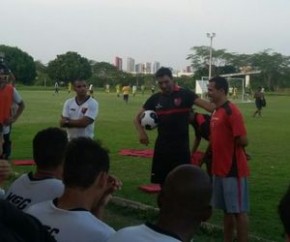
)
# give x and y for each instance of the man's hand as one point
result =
(113, 184)
(63, 121)
(9, 121)
(143, 138)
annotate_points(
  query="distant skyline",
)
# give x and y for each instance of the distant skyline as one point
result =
(147, 31)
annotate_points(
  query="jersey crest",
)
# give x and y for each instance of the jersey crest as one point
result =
(177, 101)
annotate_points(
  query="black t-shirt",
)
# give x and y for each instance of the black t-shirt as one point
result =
(173, 113)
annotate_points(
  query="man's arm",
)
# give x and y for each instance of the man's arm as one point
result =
(18, 112)
(87, 119)
(75, 123)
(143, 137)
(113, 184)
(21, 107)
(208, 106)
(242, 141)
(196, 143)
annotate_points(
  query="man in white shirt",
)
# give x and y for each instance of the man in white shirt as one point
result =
(45, 183)
(79, 113)
(76, 215)
(184, 203)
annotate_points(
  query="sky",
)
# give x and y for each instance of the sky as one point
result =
(146, 30)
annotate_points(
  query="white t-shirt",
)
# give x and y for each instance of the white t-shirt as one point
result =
(16, 100)
(74, 111)
(143, 233)
(77, 225)
(26, 191)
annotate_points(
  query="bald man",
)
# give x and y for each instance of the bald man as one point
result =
(184, 203)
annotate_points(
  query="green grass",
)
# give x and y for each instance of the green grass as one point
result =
(269, 144)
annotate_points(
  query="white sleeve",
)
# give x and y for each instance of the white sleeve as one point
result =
(65, 111)
(16, 96)
(93, 110)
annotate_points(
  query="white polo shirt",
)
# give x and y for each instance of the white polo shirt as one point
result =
(77, 225)
(26, 191)
(74, 111)
(143, 233)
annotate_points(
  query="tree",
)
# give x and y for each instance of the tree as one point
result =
(68, 67)
(274, 67)
(105, 73)
(42, 78)
(21, 64)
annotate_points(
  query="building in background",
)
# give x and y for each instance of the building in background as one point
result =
(140, 68)
(119, 63)
(188, 69)
(155, 66)
(130, 65)
(148, 69)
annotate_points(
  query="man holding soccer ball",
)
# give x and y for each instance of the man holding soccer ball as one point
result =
(172, 105)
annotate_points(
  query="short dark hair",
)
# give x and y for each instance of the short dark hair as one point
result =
(84, 160)
(163, 71)
(220, 83)
(77, 80)
(49, 147)
(284, 211)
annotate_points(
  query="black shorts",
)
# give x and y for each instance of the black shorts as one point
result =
(126, 97)
(259, 104)
(163, 163)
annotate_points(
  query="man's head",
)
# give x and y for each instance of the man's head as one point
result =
(218, 88)
(284, 212)
(85, 160)
(186, 195)
(80, 87)
(165, 80)
(49, 147)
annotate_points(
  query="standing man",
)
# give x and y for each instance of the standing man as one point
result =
(126, 89)
(172, 105)
(259, 101)
(79, 113)
(230, 170)
(56, 87)
(9, 98)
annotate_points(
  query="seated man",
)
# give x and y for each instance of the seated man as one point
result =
(75, 216)
(184, 203)
(48, 152)
(16, 226)
(284, 213)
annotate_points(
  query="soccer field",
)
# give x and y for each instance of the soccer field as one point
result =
(268, 136)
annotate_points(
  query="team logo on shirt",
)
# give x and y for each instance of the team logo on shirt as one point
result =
(177, 101)
(84, 110)
(158, 106)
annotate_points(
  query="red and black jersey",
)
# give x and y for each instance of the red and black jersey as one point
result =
(226, 125)
(201, 125)
(173, 113)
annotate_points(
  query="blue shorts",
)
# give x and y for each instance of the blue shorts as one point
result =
(231, 194)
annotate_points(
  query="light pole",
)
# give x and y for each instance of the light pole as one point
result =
(210, 36)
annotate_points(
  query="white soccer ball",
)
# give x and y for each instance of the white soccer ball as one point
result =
(149, 119)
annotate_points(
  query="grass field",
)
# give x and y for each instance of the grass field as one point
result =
(269, 145)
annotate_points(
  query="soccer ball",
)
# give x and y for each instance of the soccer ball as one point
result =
(149, 119)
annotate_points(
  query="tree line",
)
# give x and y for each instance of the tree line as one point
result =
(274, 67)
